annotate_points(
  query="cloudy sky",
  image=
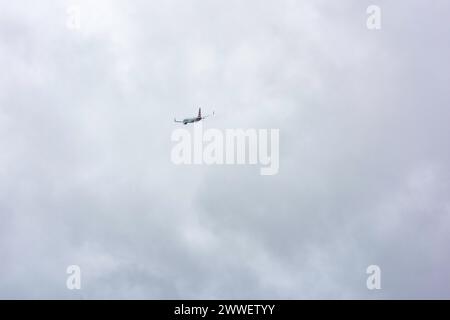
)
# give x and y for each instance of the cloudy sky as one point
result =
(86, 117)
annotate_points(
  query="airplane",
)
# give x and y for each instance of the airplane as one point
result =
(192, 120)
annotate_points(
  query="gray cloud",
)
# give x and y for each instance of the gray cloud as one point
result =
(85, 171)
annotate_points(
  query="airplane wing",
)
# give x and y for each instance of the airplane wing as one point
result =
(175, 120)
(208, 115)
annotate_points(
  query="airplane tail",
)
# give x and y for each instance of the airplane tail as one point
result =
(199, 112)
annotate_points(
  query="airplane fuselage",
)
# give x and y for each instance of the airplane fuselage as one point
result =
(191, 120)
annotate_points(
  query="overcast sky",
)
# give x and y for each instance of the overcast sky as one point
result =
(86, 117)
